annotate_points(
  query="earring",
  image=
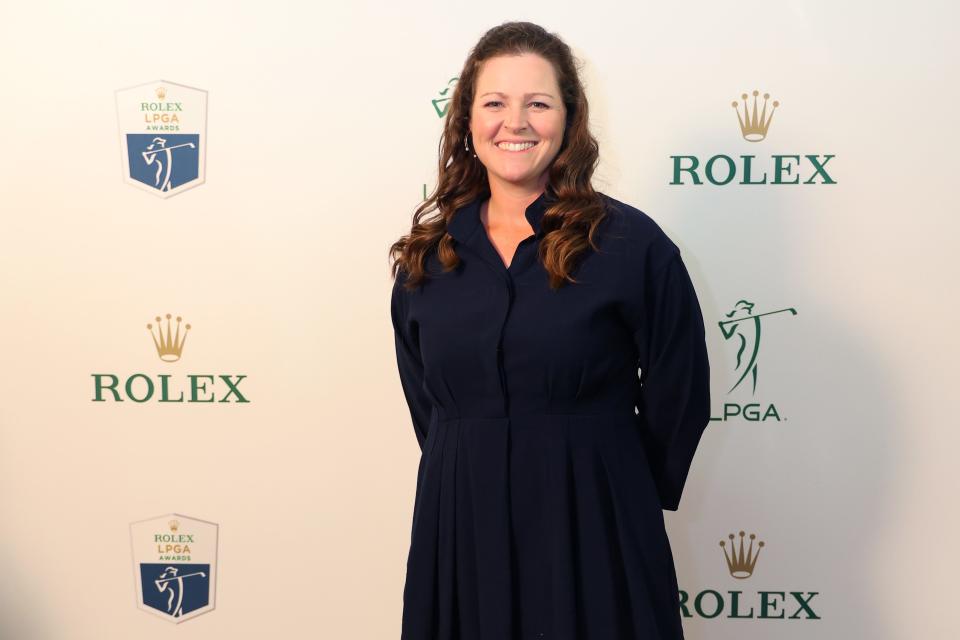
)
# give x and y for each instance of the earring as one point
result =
(465, 145)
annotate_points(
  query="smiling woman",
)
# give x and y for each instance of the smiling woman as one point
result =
(522, 311)
(517, 133)
(516, 136)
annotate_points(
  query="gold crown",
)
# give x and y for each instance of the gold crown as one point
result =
(752, 126)
(174, 525)
(161, 93)
(741, 564)
(169, 347)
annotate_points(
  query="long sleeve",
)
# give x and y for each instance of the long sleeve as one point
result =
(674, 398)
(409, 364)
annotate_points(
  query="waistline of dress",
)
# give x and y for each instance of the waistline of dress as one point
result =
(617, 417)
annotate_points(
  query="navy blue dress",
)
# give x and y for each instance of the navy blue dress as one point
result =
(546, 461)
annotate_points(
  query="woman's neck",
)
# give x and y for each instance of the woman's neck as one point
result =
(509, 202)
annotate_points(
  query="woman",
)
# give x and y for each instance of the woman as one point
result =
(522, 311)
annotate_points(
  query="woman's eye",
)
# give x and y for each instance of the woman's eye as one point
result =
(540, 105)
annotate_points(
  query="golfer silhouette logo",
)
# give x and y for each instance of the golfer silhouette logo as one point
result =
(161, 155)
(163, 163)
(175, 566)
(744, 329)
(163, 136)
(175, 590)
(173, 584)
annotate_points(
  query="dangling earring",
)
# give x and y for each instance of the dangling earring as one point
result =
(465, 144)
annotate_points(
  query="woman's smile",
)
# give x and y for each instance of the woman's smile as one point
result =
(516, 147)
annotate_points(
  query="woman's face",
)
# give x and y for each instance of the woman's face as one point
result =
(517, 100)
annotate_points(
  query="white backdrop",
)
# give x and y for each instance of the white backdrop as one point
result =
(321, 134)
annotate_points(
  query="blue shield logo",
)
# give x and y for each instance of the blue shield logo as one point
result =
(164, 162)
(175, 566)
(175, 589)
(163, 136)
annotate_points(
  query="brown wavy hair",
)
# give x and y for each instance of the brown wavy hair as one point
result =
(574, 210)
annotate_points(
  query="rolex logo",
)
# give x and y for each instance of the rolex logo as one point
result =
(140, 387)
(740, 563)
(754, 127)
(174, 525)
(161, 93)
(169, 345)
(734, 602)
(721, 168)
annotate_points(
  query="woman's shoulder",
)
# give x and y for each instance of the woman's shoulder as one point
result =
(633, 233)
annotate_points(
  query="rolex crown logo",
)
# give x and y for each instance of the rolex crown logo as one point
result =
(740, 563)
(753, 126)
(169, 345)
(161, 93)
(174, 525)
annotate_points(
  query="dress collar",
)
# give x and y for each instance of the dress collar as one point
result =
(466, 220)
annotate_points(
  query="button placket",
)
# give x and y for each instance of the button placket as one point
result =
(470, 235)
(500, 365)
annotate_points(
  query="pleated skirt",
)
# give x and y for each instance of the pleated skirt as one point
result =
(538, 527)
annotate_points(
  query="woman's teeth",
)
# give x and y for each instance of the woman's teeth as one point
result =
(511, 146)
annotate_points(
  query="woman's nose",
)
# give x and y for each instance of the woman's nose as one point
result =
(516, 118)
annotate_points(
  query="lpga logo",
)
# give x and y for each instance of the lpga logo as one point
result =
(160, 155)
(172, 585)
(742, 328)
(181, 589)
(162, 136)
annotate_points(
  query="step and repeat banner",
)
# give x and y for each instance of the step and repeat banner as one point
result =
(201, 420)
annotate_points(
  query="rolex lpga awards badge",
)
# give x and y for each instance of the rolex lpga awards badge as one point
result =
(174, 566)
(163, 136)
